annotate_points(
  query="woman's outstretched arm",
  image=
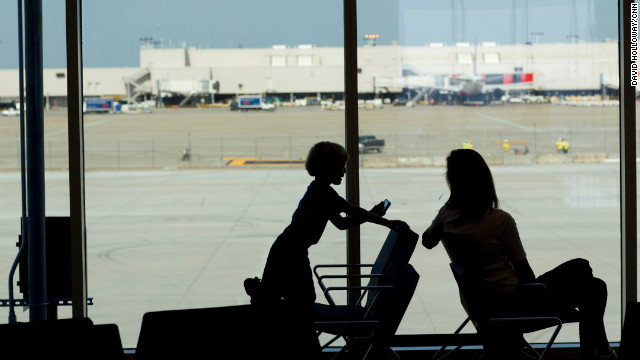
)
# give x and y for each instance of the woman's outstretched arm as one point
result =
(358, 215)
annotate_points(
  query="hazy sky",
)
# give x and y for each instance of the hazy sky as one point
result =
(112, 30)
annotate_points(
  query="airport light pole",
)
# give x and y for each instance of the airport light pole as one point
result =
(371, 39)
(147, 41)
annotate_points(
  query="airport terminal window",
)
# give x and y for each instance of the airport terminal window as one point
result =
(305, 60)
(464, 58)
(10, 187)
(512, 104)
(278, 60)
(189, 183)
(177, 186)
(491, 58)
(55, 135)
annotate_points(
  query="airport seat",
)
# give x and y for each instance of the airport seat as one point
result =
(234, 332)
(195, 333)
(246, 332)
(369, 336)
(394, 254)
(629, 348)
(498, 333)
(444, 345)
(75, 339)
(382, 273)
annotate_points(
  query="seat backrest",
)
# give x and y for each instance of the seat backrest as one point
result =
(405, 286)
(75, 338)
(105, 343)
(475, 296)
(394, 255)
(203, 333)
(390, 306)
(385, 252)
(629, 348)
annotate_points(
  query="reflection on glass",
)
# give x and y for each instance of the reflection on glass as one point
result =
(194, 150)
(184, 196)
(537, 100)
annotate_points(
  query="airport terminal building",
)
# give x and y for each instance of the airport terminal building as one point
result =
(190, 76)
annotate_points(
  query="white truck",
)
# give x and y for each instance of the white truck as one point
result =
(251, 102)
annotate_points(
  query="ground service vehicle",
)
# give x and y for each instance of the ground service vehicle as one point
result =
(98, 105)
(368, 143)
(252, 102)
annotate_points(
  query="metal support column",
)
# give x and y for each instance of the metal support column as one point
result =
(35, 159)
(351, 137)
(76, 159)
(628, 187)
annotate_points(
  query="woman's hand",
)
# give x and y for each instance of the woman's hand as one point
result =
(397, 225)
(378, 209)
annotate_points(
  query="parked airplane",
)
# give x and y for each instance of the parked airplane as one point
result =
(472, 88)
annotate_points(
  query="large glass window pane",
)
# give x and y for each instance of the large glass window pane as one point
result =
(184, 197)
(190, 177)
(56, 160)
(10, 160)
(504, 78)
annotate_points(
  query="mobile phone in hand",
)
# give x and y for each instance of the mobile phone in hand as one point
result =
(385, 205)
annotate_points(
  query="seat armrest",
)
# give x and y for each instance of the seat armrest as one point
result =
(369, 287)
(321, 278)
(327, 292)
(540, 286)
(361, 288)
(335, 266)
(361, 329)
(528, 318)
(341, 265)
(528, 288)
(541, 321)
(322, 284)
(354, 322)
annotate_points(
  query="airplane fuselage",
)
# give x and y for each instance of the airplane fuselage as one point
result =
(472, 87)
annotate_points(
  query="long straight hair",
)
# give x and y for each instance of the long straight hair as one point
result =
(471, 184)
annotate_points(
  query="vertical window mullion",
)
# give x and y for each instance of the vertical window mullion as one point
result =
(351, 137)
(628, 191)
(76, 159)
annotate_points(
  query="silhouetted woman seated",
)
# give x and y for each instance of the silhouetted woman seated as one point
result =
(492, 252)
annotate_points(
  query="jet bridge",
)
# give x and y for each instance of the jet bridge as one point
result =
(138, 85)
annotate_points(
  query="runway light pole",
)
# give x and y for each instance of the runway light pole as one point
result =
(371, 39)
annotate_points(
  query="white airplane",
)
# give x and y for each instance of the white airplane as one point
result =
(10, 112)
(472, 88)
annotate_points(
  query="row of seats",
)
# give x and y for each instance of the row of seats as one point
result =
(73, 339)
(368, 327)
